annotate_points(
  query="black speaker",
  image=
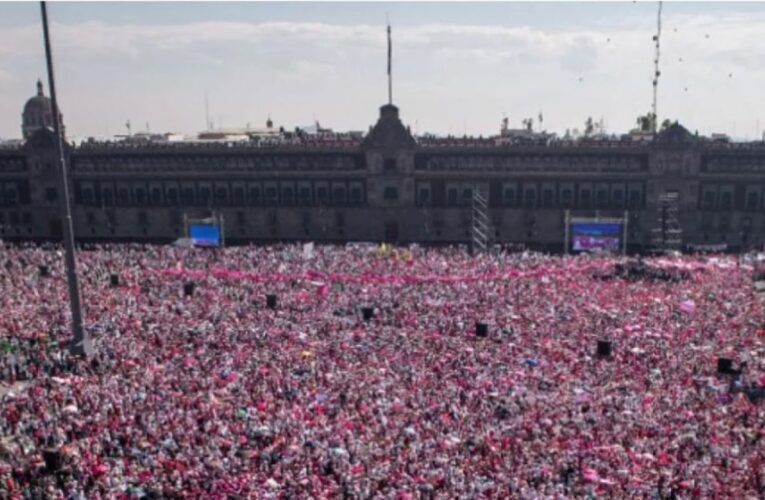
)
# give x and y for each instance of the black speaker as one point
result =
(188, 289)
(725, 366)
(52, 459)
(368, 313)
(604, 348)
(44, 271)
(271, 301)
(114, 279)
(481, 329)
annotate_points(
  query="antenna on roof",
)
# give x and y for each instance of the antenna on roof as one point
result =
(390, 63)
(656, 72)
(207, 113)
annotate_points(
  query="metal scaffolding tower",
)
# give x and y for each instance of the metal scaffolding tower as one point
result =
(667, 235)
(481, 226)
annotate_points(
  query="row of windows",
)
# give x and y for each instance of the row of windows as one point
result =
(304, 193)
(175, 218)
(12, 165)
(534, 195)
(16, 218)
(218, 163)
(541, 162)
(750, 198)
(13, 193)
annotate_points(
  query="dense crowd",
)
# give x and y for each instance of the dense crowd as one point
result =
(216, 395)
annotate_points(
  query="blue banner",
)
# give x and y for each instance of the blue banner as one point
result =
(207, 235)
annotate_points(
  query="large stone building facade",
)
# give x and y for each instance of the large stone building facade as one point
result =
(390, 186)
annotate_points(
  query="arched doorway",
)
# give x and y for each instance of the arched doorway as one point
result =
(55, 229)
(391, 232)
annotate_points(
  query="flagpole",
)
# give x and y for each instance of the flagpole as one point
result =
(390, 69)
(81, 344)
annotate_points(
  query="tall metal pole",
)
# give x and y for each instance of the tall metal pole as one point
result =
(81, 344)
(656, 72)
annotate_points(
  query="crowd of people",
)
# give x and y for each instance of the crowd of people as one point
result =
(213, 394)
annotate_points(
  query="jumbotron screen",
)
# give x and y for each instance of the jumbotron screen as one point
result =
(596, 236)
(206, 235)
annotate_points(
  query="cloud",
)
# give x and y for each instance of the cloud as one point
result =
(575, 50)
(507, 66)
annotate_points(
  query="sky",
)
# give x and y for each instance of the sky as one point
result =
(457, 67)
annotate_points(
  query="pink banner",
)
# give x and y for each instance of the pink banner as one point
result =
(365, 278)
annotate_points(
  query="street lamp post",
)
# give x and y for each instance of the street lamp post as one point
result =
(81, 344)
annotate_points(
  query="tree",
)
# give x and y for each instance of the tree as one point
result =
(646, 122)
(589, 127)
(666, 124)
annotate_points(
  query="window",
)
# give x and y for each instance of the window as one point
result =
(188, 197)
(255, 196)
(726, 200)
(287, 196)
(51, 194)
(221, 196)
(322, 194)
(584, 197)
(530, 198)
(752, 201)
(618, 197)
(548, 198)
(238, 196)
(708, 201)
(123, 196)
(172, 196)
(566, 197)
(602, 198)
(271, 195)
(389, 165)
(356, 196)
(156, 196)
(452, 197)
(338, 195)
(108, 197)
(510, 197)
(467, 195)
(390, 193)
(204, 197)
(140, 196)
(304, 195)
(423, 196)
(635, 198)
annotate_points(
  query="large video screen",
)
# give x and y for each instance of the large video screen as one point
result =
(206, 235)
(596, 236)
